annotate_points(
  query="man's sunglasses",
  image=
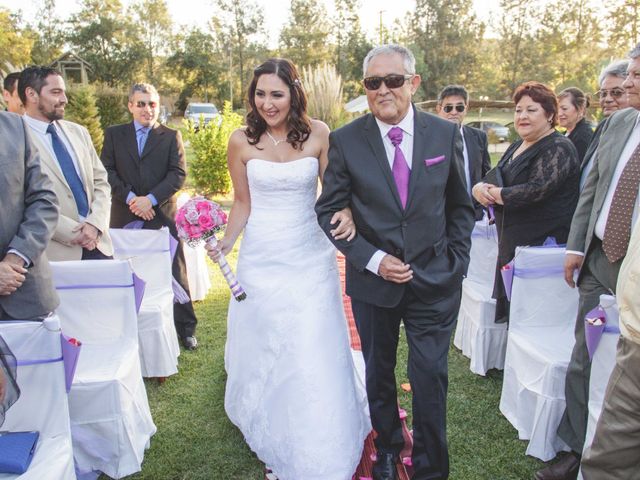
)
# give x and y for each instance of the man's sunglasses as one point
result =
(449, 108)
(391, 81)
(142, 104)
(613, 93)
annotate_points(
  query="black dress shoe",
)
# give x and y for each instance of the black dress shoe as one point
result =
(565, 469)
(190, 343)
(385, 467)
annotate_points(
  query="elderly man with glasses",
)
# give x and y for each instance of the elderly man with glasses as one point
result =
(612, 98)
(453, 104)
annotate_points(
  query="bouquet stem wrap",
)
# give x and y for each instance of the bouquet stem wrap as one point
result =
(229, 276)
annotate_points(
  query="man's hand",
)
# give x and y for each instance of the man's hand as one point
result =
(394, 270)
(142, 207)
(572, 262)
(345, 228)
(12, 275)
(87, 236)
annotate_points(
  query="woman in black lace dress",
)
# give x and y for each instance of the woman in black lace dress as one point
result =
(540, 175)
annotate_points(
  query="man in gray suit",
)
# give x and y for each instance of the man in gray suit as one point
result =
(597, 244)
(29, 217)
(401, 172)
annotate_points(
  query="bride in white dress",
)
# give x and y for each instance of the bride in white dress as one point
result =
(291, 387)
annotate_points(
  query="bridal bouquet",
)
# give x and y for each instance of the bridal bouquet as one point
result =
(197, 221)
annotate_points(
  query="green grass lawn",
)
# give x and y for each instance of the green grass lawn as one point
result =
(195, 440)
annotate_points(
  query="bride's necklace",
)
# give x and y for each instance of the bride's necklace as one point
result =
(275, 142)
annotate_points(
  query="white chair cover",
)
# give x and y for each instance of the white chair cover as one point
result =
(42, 405)
(604, 359)
(150, 256)
(541, 337)
(196, 260)
(111, 421)
(478, 336)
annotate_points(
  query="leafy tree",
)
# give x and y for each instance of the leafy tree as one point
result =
(154, 25)
(448, 51)
(82, 109)
(49, 36)
(351, 44)
(105, 37)
(15, 43)
(624, 29)
(305, 38)
(208, 168)
(242, 25)
(197, 61)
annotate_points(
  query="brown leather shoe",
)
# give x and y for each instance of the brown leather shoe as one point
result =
(564, 469)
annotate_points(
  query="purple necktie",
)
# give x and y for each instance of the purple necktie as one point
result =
(400, 168)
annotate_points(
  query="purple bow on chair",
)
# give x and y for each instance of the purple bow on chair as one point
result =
(595, 324)
(179, 293)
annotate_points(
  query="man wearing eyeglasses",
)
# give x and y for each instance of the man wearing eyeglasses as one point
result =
(146, 165)
(612, 98)
(452, 105)
(70, 160)
(401, 172)
(608, 208)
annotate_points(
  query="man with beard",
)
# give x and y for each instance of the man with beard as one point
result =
(70, 160)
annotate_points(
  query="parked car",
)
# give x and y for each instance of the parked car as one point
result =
(499, 130)
(205, 111)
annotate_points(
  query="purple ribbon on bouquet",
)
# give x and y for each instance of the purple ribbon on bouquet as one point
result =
(593, 333)
(179, 293)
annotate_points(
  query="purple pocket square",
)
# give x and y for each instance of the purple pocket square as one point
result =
(434, 161)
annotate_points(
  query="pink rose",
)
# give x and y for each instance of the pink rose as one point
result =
(206, 222)
(203, 206)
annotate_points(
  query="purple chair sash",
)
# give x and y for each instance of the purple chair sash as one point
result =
(70, 354)
(139, 286)
(179, 293)
(593, 333)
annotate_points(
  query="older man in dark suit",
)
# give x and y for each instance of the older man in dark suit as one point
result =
(598, 240)
(453, 104)
(401, 172)
(28, 220)
(146, 167)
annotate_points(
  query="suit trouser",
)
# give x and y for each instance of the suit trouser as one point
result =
(598, 277)
(184, 316)
(428, 329)
(615, 452)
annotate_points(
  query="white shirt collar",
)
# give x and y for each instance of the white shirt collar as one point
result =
(406, 124)
(38, 125)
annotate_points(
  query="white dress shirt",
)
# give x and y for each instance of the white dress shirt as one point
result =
(406, 146)
(467, 167)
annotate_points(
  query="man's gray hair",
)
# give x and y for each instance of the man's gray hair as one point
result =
(142, 88)
(635, 53)
(617, 68)
(390, 49)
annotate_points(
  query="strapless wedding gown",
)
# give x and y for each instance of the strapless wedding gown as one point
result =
(291, 387)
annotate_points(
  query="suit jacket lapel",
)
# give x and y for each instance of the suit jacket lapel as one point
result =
(419, 146)
(49, 158)
(619, 141)
(152, 140)
(130, 141)
(372, 134)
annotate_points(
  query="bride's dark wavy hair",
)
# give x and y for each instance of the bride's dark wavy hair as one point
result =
(298, 120)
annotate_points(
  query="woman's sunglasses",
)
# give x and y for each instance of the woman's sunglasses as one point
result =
(449, 108)
(391, 81)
